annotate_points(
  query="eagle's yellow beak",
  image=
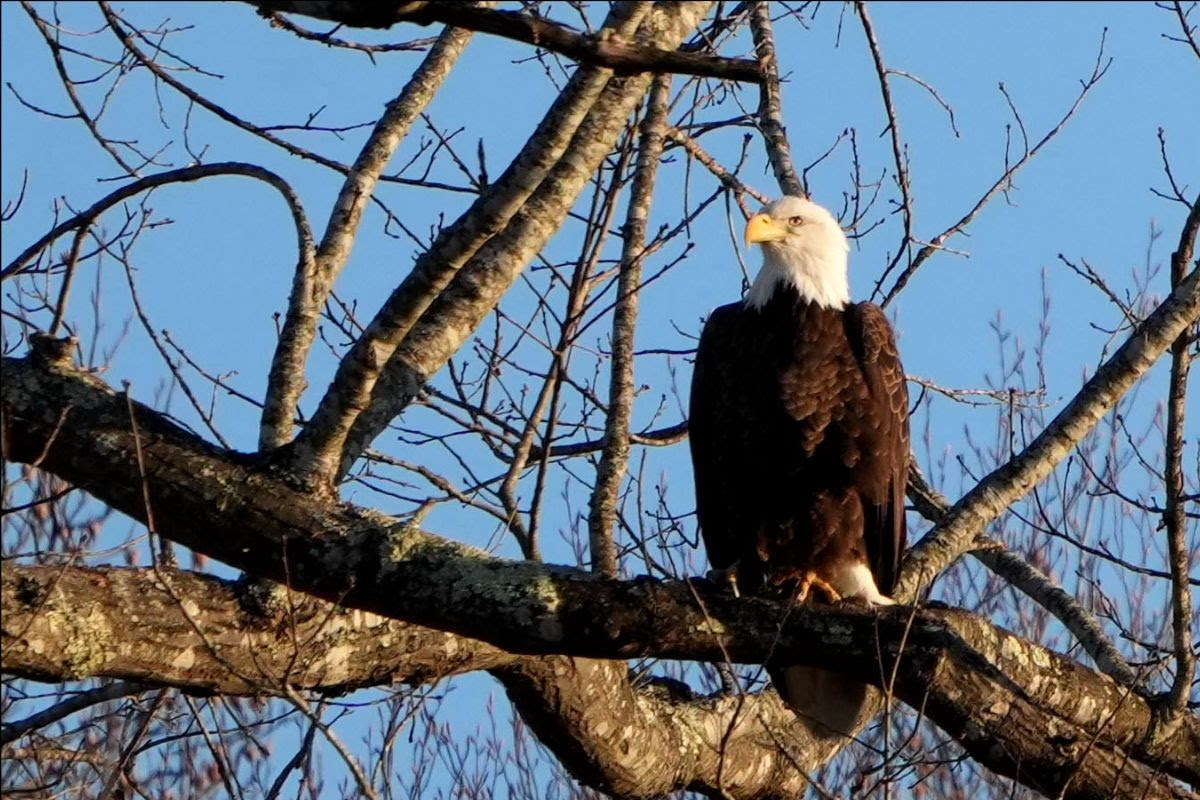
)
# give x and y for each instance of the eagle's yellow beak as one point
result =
(761, 228)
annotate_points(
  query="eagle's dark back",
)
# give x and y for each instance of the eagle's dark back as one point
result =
(799, 436)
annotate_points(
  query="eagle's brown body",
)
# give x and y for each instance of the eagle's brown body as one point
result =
(799, 437)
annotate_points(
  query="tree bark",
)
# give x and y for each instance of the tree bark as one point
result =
(1019, 709)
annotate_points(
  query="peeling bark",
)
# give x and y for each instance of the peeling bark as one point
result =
(197, 632)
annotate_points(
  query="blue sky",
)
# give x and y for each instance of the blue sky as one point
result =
(218, 274)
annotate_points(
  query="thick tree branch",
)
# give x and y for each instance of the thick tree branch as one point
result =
(199, 634)
(602, 51)
(1019, 709)
(206, 635)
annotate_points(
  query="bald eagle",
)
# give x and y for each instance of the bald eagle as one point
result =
(799, 437)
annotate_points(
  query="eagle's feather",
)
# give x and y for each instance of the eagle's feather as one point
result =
(799, 436)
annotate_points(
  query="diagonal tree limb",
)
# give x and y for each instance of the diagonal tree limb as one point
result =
(1033, 583)
(314, 278)
(321, 453)
(966, 519)
(450, 318)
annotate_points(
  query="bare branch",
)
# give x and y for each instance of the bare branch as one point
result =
(899, 155)
(1001, 184)
(968, 517)
(204, 634)
(452, 316)
(1033, 582)
(726, 177)
(322, 452)
(615, 455)
(186, 174)
(314, 278)
(1000, 695)
(770, 103)
(65, 708)
(1174, 520)
(600, 50)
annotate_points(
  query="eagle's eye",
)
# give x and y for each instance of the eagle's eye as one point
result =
(796, 221)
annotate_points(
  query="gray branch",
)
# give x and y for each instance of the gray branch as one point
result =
(614, 458)
(314, 277)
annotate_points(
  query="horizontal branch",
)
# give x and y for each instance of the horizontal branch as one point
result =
(204, 634)
(201, 634)
(619, 56)
(1020, 709)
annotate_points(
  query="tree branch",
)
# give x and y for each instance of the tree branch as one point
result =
(208, 635)
(770, 103)
(304, 237)
(314, 278)
(1174, 519)
(470, 293)
(614, 458)
(600, 50)
(1018, 708)
(200, 634)
(328, 446)
(966, 519)
(1033, 582)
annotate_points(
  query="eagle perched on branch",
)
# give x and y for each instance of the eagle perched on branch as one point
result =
(799, 437)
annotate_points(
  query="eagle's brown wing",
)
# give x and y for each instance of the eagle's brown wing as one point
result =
(883, 495)
(715, 440)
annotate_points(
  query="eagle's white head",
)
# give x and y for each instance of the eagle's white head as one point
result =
(804, 247)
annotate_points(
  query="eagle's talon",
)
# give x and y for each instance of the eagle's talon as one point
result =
(811, 580)
(726, 577)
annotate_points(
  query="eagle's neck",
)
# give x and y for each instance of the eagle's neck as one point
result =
(818, 275)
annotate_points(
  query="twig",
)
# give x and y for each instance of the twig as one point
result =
(726, 177)
(893, 128)
(1098, 72)
(65, 708)
(182, 175)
